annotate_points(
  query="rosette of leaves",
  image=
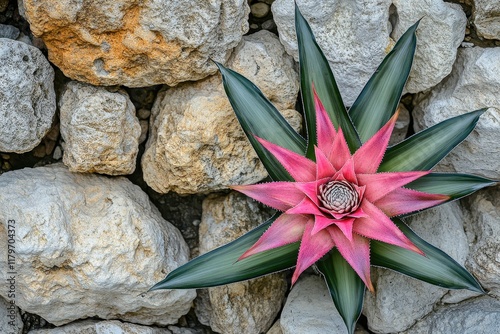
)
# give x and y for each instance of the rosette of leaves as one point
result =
(339, 191)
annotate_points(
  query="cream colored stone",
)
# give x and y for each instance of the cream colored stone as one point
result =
(137, 43)
(486, 17)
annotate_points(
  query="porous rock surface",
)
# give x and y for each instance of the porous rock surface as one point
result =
(89, 246)
(137, 43)
(10, 318)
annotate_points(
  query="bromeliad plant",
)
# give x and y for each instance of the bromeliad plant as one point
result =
(342, 194)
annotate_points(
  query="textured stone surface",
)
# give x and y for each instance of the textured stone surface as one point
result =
(89, 246)
(10, 319)
(245, 307)
(478, 316)
(352, 34)
(487, 18)
(99, 128)
(473, 84)
(195, 143)
(27, 98)
(400, 301)
(309, 309)
(137, 43)
(439, 34)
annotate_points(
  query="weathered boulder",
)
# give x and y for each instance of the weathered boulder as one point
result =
(10, 319)
(89, 246)
(486, 17)
(99, 128)
(27, 98)
(137, 43)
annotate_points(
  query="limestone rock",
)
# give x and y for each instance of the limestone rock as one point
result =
(244, 307)
(400, 300)
(89, 246)
(309, 309)
(10, 319)
(478, 316)
(137, 43)
(487, 18)
(99, 128)
(439, 34)
(195, 143)
(27, 98)
(473, 84)
(352, 34)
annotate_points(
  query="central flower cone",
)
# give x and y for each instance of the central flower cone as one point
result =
(339, 200)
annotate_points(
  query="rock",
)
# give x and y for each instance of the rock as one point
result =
(195, 143)
(478, 316)
(89, 246)
(8, 31)
(99, 128)
(486, 15)
(352, 34)
(309, 309)
(275, 329)
(135, 44)
(401, 127)
(259, 9)
(245, 307)
(27, 98)
(472, 85)
(399, 300)
(439, 34)
(483, 231)
(10, 319)
(144, 130)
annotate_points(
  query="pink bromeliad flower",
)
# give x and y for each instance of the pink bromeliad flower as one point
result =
(339, 200)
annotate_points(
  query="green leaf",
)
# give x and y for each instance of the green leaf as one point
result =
(346, 288)
(220, 266)
(315, 70)
(380, 97)
(425, 149)
(436, 267)
(258, 117)
(454, 185)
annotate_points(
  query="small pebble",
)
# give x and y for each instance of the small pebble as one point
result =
(144, 130)
(259, 9)
(39, 151)
(57, 155)
(5, 156)
(269, 25)
(254, 26)
(143, 113)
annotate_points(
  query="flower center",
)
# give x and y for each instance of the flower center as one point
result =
(339, 196)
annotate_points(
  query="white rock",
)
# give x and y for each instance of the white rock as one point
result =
(100, 129)
(195, 143)
(486, 15)
(248, 307)
(102, 327)
(473, 84)
(27, 98)
(354, 36)
(10, 319)
(439, 34)
(478, 316)
(309, 309)
(89, 246)
(399, 300)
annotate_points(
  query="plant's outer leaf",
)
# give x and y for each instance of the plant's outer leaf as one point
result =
(380, 97)
(346, 288)
(436, 267)
(220, 266)
(315, 70)
(454, 185)
(425, 149)
(258, 117)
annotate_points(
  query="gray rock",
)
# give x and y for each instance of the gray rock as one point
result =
(8, 31)
(401, 127)
(10, 319)
(100, 129)
(89, 246)
(486, 17)
(27, 98)
(473, 84)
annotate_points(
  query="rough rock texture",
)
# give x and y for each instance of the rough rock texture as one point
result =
(109, 327)
(487, 18)
(195, 143)
(27, 98)
(473, 84)
(399, 300)
(309, 309)
(352, 34)
(99, 128)
(245, 307)
(478, 316)
(88, 245)
(439, 34)
(10, 319)
(275, 328)
(137, 43)
(483, 231)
